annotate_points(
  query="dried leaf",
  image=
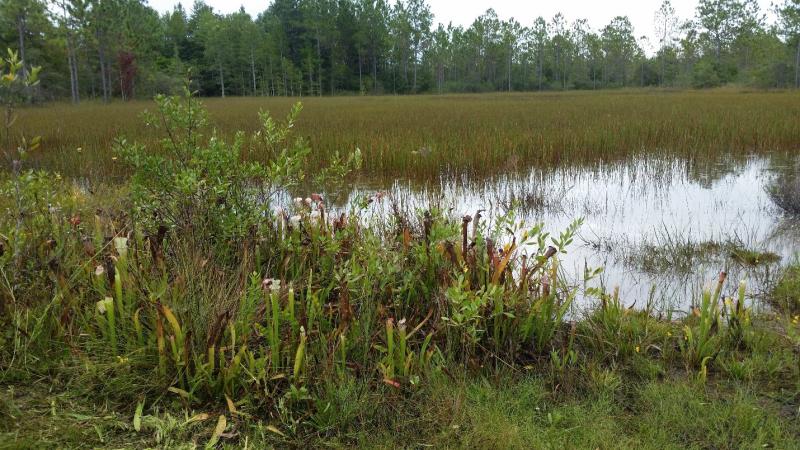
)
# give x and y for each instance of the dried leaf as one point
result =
(197, 418)
(137, 416)
(275, 430)
(222, 423)
(231, 406)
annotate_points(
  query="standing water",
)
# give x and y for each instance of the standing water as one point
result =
(662, 230)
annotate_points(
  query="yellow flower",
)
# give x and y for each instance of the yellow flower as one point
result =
(637, 349)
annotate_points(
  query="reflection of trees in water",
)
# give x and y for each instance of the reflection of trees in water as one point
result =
(784, 187)
(706, 172)
(654, 183)
(534, 189)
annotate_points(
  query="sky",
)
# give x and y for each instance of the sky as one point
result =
(463, 12)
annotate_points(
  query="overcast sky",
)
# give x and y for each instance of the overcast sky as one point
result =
(463, 12)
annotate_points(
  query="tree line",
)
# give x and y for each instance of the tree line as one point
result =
(101, 49)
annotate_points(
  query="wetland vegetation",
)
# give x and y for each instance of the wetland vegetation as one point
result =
(170, 291)
(512, 270)
(476, 134)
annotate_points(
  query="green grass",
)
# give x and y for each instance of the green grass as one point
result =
(483, 134)
(786, 295)
(499, 411)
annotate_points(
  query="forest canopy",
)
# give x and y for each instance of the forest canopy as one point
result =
(103, 49)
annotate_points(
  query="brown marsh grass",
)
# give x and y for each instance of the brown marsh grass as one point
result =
(424, 136)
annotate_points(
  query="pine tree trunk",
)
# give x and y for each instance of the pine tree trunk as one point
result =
(374, 72)
(360, 79)
(319, 65)
(539, 72)
(253, 72)
(510, 55)
(122, 90)
(21, 30)
(271, 77)
(104, 76)
(415, 71)
(797, 65)
(73, 70)
(310, 79)
(222, 80)
(283, 73)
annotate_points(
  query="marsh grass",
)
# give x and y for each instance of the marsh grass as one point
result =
(672, 253)
(476, 134)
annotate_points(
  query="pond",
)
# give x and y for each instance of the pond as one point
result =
(661, 229)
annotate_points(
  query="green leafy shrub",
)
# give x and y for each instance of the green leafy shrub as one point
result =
(198, 187)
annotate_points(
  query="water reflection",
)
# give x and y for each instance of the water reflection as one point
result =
(626, 207)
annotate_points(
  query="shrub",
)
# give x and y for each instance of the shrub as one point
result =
(198, 187)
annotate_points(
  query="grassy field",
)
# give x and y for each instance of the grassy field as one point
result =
(422, 136)
(187, 304)
(515, 412)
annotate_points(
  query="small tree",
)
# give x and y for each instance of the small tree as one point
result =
(666, 22)
(201, 188)
(15, 81)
